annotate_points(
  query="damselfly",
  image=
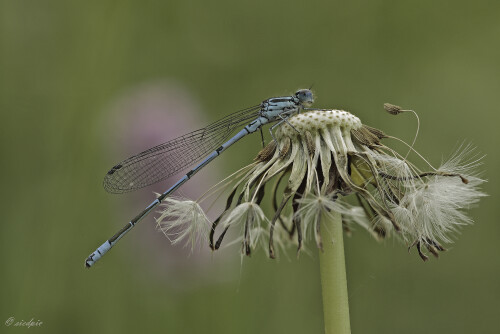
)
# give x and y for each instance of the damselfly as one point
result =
(167, 159)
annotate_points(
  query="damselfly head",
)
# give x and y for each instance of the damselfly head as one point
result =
(305, 97)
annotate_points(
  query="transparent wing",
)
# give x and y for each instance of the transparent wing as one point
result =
(167, 159)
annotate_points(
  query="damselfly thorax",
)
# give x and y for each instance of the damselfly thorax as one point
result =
(274, 108)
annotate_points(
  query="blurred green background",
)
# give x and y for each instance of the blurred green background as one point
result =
(73, 79)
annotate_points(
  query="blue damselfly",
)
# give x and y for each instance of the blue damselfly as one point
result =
(167, 159)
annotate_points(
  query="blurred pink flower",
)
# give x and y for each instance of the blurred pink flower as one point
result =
(142, 117)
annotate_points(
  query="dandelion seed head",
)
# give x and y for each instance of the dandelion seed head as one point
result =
(325, 162)
(435, 209)
(317, 119)
(313, 206)
(243, 213)
(184, 220)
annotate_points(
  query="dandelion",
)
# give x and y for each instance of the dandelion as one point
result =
(326, 157)
(329, 173)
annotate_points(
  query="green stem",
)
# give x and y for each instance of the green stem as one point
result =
(333, 277)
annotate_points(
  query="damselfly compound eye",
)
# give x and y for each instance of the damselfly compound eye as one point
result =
(305, 96)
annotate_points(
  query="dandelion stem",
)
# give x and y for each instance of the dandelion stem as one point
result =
(333, 277)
